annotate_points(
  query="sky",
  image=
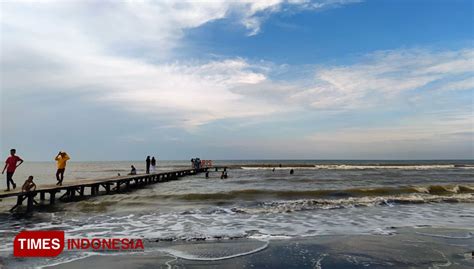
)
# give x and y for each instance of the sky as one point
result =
(270, 79)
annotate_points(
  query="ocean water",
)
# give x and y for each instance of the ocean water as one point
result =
(255, 202)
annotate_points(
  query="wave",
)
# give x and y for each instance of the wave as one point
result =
(359, 166)
(314, 204)
(252, 194)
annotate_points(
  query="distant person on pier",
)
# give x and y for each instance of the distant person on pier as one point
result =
(207, 174)
(192, 163)
(133, 171)
(61, 160)
(198, 163)
(29, 185)
(148, 162)
(153, 164)
(10, 165)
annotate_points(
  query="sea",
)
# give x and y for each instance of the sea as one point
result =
(259, 200)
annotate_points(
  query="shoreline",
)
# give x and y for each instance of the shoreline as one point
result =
(408, 247)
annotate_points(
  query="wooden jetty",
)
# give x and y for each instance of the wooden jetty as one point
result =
(70, 191)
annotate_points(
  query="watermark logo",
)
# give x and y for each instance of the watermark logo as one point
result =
(52, 243)
(38, 244)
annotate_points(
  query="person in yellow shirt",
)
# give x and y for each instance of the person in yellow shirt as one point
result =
(61, 160)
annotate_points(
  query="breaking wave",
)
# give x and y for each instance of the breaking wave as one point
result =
(359, 166)
(314, 204)
(252, 194)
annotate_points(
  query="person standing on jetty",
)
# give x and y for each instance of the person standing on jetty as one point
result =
(153, 164)
(148, 161)
(10, 165)
(61, 160)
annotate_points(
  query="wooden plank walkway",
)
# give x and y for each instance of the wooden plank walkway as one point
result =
(80, 188)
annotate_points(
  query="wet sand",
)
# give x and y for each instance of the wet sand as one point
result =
(406, 248)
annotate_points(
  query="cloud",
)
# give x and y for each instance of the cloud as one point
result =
(121, 54)
(148, 28)
(463, 84)
(253, 13)
(387, 75)
(444, 135)
(187, 94)
(151, 29)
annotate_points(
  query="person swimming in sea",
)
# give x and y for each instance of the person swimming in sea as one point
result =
(224, 175)
(29, 185)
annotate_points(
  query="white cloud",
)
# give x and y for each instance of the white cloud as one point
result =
(464, 84)
(444, 135)
(253, 13)
(92, 47)
(189, 94)
(385, 76)
(121, 53)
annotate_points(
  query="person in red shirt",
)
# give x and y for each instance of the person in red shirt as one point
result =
(10, 165)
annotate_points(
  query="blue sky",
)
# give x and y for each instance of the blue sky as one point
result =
(270, 79)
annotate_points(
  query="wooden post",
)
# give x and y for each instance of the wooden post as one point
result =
(52, 197)
(82, 191)
(42, 196)
(29, 206)
(19, 200)
(118, 186)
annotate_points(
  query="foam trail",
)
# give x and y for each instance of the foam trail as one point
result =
(186, 256)
(447, 236)
(360, 167)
